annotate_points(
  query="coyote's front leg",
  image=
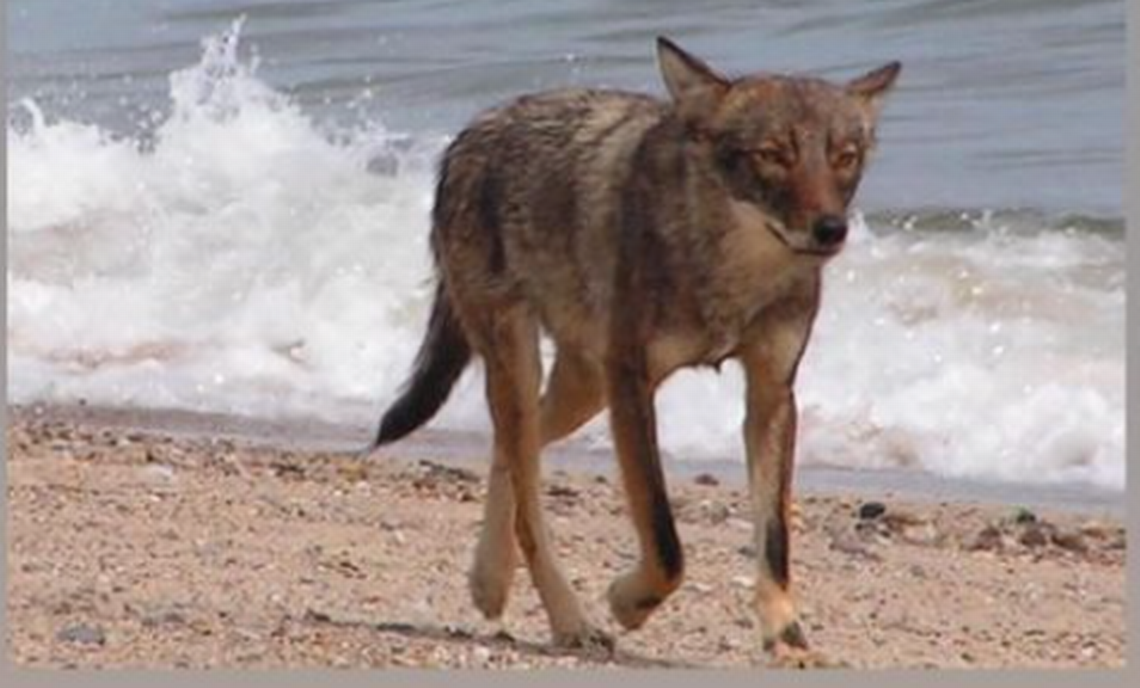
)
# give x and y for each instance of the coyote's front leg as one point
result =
(770, 356)
(636, 594)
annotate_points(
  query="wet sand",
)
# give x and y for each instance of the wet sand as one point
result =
(174, 540)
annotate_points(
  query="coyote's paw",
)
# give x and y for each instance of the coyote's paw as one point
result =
(587, 637)
(790, 636)
(489, 590)
(630, 603)
(786, 657)
(788, 649)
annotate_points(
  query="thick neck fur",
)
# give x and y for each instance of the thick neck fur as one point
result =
(731, 264)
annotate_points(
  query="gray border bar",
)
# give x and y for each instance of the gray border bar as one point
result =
(879, 679)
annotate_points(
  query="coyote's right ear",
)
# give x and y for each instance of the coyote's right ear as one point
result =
(692, 83)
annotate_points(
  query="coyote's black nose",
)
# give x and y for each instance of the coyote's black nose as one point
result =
(829, 230)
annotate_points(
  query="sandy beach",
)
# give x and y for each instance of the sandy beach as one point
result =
(156, 548)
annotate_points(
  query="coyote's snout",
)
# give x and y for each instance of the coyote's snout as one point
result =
(642, 236)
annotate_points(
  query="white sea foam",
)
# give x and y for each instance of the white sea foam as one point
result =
(246, 259)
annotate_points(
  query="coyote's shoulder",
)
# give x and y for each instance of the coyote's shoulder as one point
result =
(546, 174)
(573, 137)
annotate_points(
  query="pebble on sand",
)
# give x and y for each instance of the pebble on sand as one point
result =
(871, 510)
(706, 479)
(83, 635)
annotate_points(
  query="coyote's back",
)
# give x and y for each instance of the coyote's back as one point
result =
(522, 194)
(528, 197)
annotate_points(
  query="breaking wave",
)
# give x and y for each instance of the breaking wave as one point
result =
(244, 258)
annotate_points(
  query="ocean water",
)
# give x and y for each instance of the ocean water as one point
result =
(222, 206)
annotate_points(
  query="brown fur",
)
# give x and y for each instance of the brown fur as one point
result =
(643, 236)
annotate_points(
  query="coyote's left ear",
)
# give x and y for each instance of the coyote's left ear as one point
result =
(692, 83)
(872, 86)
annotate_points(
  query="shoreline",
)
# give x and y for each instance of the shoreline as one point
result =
(190, 548)
(468, 449)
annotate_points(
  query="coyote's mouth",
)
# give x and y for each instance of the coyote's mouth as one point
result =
(818, 252)
(815, 251)
(779, 234)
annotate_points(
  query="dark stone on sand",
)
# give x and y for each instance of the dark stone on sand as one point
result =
(159, 617)
(706, 479)
(439, 472)
(715, 513)
(1034, 536)
(83, 635)
(1024, 516)
(872, 510)
(567, 491)
(1070, 540)
(988, 539)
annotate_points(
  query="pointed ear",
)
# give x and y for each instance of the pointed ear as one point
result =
(687, 77)
(872, 86)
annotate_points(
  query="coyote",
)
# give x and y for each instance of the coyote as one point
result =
(642, 235)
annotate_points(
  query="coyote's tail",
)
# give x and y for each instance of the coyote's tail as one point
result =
(442, 357)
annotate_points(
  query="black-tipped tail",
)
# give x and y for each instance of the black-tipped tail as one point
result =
(442, 357)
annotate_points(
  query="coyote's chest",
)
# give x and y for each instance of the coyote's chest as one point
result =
(752, 271)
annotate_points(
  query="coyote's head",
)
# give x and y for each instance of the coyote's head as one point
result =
(793, 147)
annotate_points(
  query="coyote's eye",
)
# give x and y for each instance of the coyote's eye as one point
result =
(770, 155)
(846, 159)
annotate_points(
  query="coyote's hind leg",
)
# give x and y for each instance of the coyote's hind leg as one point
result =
(513, 373)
